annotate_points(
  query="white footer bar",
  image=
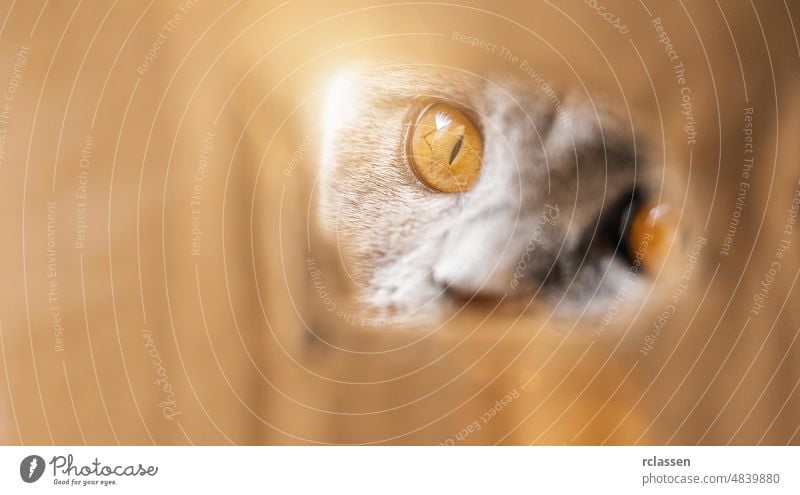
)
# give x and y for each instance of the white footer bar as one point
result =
(372, 470)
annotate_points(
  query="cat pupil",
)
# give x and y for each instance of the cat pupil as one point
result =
(456, 149)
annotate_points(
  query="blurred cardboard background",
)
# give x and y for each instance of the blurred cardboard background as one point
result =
(133, 123)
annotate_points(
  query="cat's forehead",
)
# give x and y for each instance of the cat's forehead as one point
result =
(387, 83)
(391, 86)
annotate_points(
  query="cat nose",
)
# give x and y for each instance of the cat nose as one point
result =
(500, 256)
(463, 281)
(475, 261)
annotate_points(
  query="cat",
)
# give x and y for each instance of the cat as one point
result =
(543, 218)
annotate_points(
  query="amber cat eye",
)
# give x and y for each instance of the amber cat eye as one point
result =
(652, 229)
(445, 149)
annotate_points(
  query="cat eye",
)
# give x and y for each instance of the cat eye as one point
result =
(445, 149)
(651, 229)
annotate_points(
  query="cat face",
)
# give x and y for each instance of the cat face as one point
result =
(546, 218)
